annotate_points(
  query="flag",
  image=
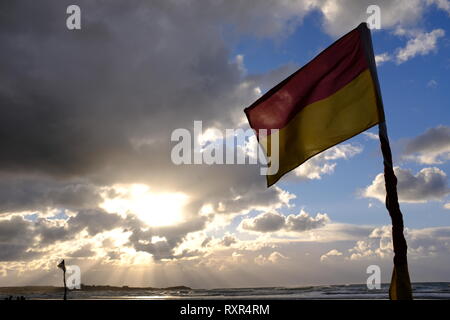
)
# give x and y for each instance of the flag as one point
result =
(331, 99)
(62, 266)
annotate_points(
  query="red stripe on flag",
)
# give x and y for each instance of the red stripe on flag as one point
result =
(330, 71)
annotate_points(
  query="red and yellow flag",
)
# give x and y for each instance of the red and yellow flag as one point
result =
(331, 99)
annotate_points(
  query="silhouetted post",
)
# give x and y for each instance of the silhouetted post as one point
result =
(62, 266)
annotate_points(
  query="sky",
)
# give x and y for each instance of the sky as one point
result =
(85, 136)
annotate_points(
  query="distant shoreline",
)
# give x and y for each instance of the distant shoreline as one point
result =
(421, 290)
(54, 289)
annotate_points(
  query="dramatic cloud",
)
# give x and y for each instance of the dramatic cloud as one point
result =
(87, 115)
(87, 110)
(29, 193)
(427, 185)
(16, 237)
(22, 238)
(431, 147)
(140, 99)
(84, 251)
(272, 222)
(421, 243)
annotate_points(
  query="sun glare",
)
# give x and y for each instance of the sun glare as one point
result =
(155, 209)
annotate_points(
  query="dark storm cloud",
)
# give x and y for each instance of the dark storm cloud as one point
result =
(432, 146)
(85, 109)
(94, 220)
(71, 101)
(16, 237)
(100, 103)
(76, 102)
(429, 184)
(273, 221)
(84, 251)
(19, 236)
(228, 240)
(265, 222)
(141, 237)
(29, 193)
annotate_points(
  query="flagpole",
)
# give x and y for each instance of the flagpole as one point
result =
(400, 288)
(65, 287)
(62, 266)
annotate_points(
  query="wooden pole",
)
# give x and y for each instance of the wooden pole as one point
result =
(65, 287)
(400, 288)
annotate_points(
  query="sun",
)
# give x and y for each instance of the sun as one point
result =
(154, 209)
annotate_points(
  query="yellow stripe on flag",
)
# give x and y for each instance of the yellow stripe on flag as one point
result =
(326, 123)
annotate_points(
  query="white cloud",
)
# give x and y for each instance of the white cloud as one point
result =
(422, 44)
(441, 4)
(322, 163)
(343, 15)
(331, 253)
(340, 16)
(431, 147)
(382, 58)
(378, 244)
(427, 185)
(303, 222)
(240, 63)
(421, 243)
(432, 83)
(447, 206)
(274, 257)
(371, 135)
(314, 168)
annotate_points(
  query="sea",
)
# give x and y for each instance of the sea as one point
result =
(425, 290)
